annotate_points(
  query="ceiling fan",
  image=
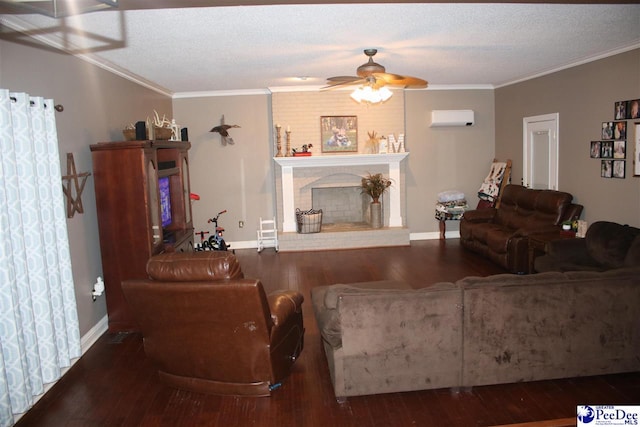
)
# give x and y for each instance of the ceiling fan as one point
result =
(374, 75)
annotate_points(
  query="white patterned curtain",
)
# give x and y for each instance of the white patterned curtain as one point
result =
(39, 333)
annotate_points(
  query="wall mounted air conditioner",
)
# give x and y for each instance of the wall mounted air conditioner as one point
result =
(452, 118)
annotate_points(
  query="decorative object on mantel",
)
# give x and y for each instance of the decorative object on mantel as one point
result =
(339, 134)
(74, 202)
(383, 147)
(287, 153)
(278, 141)
(375, 185)
(400, 148)
(396, 145)
(372, 144)
(302, 151)
(223, 130)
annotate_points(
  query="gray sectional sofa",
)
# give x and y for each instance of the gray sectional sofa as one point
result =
(384, 337)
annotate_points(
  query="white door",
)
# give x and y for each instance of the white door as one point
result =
(540, 152)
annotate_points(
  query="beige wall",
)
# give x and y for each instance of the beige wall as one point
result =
(97, 104)
(584, 97)
(445, 158)
(235, 177)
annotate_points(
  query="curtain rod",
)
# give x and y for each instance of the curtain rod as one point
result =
(58, 107)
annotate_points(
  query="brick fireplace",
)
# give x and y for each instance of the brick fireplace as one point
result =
(297, 178)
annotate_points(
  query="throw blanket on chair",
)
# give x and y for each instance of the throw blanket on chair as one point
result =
(490, 188)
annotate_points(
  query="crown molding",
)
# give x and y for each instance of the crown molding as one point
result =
(583, 61)
(213, 93)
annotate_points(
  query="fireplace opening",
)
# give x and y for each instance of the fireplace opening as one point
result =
(341, 205)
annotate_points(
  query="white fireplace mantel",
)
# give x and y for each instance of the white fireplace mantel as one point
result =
(288, 164)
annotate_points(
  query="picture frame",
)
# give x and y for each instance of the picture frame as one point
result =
(620, 130)
(607, 130)
(618, 170)
(636, 154)
(620, 110)
(606, 149)
(606, 168)
(633, 109)
(619, 149)
(339, 134)
(595, 149)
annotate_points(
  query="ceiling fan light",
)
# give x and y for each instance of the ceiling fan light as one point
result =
(370, 95)
(385, 93)
(357, 95)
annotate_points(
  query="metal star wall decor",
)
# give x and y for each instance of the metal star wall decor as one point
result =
(223, 130)
(74, 202)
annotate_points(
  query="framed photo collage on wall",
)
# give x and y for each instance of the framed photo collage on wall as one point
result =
(611, 148)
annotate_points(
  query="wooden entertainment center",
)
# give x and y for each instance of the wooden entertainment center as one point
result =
(144, 208)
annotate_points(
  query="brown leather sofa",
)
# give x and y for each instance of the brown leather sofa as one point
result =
(210, 330)
(502, 234)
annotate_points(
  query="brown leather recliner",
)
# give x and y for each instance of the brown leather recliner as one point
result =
(210, 330)
(502, 234)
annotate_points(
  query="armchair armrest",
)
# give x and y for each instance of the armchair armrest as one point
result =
(283, 304)
(480, 215)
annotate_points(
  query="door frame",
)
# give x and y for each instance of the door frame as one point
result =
(554, 144)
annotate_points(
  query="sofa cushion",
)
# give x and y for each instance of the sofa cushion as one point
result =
(498, 240)
(325, 302)
(609, 242)
(481, 231)
(551, 205)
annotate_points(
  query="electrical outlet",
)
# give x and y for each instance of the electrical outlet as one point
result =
(241, 224)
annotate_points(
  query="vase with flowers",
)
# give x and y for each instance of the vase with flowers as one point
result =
(375, 185)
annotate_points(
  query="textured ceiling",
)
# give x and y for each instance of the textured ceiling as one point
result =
(246, 48)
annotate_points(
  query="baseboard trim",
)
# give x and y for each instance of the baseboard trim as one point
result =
(434, 235)
(94, 334)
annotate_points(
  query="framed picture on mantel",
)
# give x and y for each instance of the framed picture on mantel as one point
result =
(339, 134)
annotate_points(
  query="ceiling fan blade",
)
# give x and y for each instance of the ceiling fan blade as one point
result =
(398, 80)
(343, 78)
(334, 84)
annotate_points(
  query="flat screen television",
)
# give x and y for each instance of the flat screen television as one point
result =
(165, 201)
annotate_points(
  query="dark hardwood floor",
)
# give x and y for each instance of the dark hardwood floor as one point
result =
(114, 384)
